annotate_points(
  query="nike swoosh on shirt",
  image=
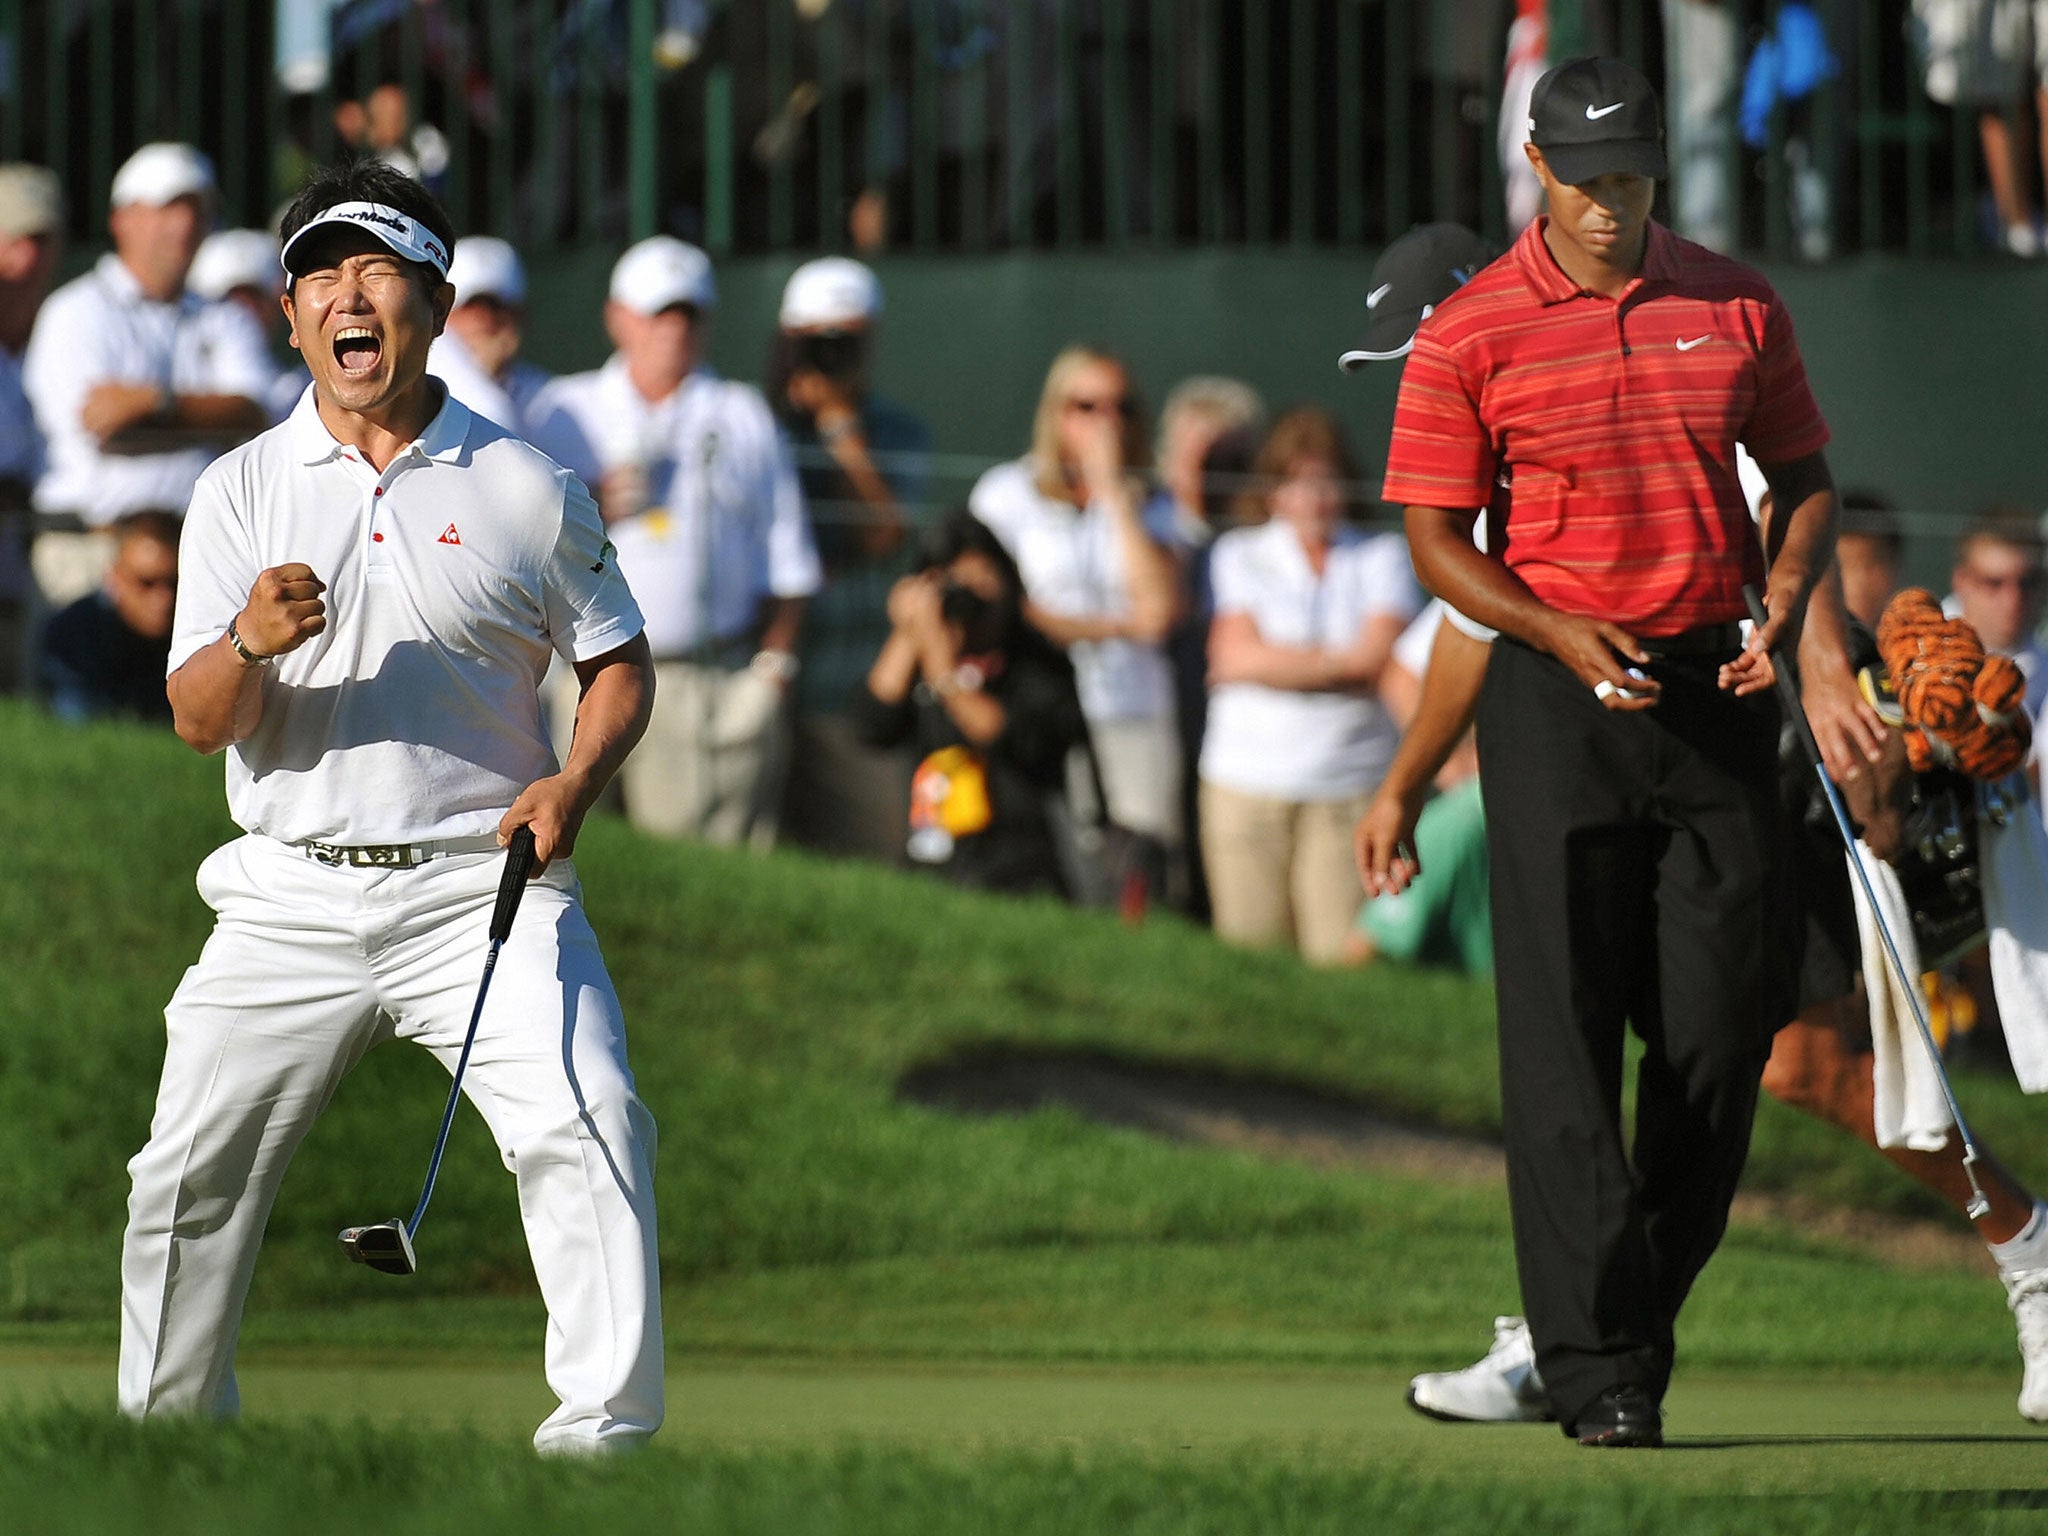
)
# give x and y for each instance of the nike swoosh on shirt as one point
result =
(1594, 114)
(1687, 346)
(1372, 300)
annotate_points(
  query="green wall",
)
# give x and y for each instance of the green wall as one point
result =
(1931, 373)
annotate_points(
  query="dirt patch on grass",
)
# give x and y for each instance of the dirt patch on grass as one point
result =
(1272, 1117)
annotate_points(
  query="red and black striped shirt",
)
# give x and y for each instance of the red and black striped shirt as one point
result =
(1609, 425)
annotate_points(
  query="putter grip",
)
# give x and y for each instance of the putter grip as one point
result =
(512, 884)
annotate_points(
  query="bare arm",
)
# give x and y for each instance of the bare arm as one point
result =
(1151, 573)
(1845, 724)
(1238, 653)
(835, 411)
(217, 697)
(1799, 545)
(783, 617)
(1385, 836)
(611, 715)
(141, 418)
(1481, 587)
(922, 645)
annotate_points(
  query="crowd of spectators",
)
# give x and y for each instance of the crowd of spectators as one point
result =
(1131, 669)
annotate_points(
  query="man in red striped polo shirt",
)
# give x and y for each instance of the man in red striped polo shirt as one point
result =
(1591, 387)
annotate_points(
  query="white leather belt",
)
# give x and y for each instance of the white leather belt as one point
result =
(397, 855)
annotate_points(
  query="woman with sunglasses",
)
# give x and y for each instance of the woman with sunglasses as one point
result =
(1093, 540)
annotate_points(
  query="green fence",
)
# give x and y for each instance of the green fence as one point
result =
(940, 125)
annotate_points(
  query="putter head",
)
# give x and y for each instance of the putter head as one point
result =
(386, 1246)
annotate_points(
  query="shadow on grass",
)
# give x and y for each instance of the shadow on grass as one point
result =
(1765, 1442)
(1185, 1101)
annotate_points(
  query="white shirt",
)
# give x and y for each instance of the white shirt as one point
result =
(725, 526)
(505, 401)
(1072, 566)
(450, 578)
(99, 329)
(1279, 742)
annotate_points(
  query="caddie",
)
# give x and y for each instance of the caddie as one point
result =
(371, 591)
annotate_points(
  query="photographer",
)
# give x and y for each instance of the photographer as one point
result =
(989, 706)
(862, 462)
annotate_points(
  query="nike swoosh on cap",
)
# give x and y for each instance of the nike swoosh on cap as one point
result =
(1372, 300)
(1593, 115)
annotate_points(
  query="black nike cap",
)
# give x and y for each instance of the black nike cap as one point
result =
(1594, 118)
(1414, 275)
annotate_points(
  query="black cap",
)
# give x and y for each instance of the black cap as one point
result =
(1596, 117)
(1414, 275)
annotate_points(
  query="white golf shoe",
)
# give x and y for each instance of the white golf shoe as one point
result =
(2026, 1292)
(1504, 1388)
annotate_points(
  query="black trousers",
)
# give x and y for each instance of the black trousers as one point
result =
(1635, 885)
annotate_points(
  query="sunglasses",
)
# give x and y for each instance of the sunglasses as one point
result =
(1122, 406)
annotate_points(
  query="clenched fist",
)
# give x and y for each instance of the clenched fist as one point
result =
(284, 610)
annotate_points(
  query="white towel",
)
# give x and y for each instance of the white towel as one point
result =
(2014, 864)
(1911, 1110)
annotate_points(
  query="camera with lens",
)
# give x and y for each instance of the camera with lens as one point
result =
(835, 354)
(961, 605)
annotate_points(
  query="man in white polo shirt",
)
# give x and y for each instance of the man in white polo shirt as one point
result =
(137, 383)
(477, 357)
(697, 488)
(370, 594)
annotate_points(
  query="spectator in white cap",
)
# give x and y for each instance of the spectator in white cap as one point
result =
(862, 460)
(31, 238)
(477, 356)
(137, 382)
(695, 482)
(240, 266)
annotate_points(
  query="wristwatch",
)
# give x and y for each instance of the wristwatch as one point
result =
(249, 657)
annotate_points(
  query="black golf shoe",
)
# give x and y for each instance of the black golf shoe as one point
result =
(1621, 1418)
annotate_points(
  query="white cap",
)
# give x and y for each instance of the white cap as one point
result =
(487, 267)
(661, 271)
(399, 231)
(833, 290)
(157, 174)
(235, 258)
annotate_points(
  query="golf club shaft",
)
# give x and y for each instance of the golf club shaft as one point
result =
(1908, 983)
(511, 886)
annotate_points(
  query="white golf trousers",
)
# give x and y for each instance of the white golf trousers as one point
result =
(307, 967)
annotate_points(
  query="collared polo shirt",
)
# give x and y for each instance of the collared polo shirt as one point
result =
(99, 329)
(725, 526)
(1073, 565)
(1611, 425)
(1293, 744)
(450, 578)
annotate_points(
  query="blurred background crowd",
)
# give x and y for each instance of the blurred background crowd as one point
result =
(1061, 609)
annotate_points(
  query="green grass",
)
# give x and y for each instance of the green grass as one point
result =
(825, 1240)
(794, 1455)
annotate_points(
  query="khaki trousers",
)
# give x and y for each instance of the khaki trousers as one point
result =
(1281, 871)
(714, 757)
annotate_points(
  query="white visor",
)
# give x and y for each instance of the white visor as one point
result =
(400, 231)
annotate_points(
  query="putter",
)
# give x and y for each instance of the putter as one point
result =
(387, 1245)
(1909, 985)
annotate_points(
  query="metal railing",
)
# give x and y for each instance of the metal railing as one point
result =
(935, 125)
